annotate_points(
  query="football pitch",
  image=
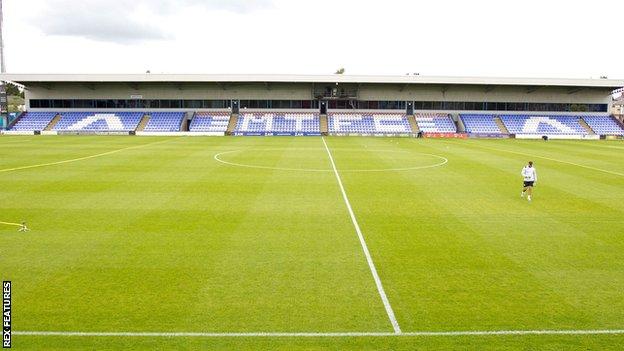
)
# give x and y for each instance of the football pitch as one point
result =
(312, 243)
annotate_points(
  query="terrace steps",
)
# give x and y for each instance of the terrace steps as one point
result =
(459, 124)
(143, 123)
(53, 122)
(323, 124)
(184, 125)
(501, 125)
(232, 124)
(586, 127)
(413, 125)
(618, 121)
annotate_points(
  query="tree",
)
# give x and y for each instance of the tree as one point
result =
(340, 70)
(13, 90)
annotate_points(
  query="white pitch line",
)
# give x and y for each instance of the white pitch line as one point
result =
(83, 158)
(324, 335)
(11, 223)
(553, 159)
(217, 157)
(369, 259)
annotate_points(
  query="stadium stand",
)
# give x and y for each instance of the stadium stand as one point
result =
(435, 123)
(278, 123)
(164, 122)
(369, 123)
(603, 125)
(210, 122)
(480, 123)
(308, 123)
(32, 121)
(536, 124)
(99, 121)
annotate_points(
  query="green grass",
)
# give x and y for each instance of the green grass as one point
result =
(163, 238)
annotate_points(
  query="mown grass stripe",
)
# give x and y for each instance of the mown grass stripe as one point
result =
(323, 335)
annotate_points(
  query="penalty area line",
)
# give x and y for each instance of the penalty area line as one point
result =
(552, 159)
(85, 157)
(324, 335)
(369, 258)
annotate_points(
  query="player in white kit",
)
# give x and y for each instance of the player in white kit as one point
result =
(529, 174)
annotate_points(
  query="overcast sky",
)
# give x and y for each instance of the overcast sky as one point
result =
(530, 38)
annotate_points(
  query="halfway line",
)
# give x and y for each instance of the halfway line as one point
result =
(369, 259)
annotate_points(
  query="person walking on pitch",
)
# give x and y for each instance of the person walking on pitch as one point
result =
(529, 174)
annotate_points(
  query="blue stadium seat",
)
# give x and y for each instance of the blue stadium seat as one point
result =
(99, 121)
(368, 123)
(541, 124)
(480, 124)
(604, 125)
(32, 121)
(278, 122)
(435, 123)
(164, 122)
(210, 122)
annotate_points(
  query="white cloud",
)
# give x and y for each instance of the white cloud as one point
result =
(125, 21)
(239, 6)
(99, 25)
(444, 37)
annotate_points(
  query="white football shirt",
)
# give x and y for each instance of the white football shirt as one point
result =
(529, 174)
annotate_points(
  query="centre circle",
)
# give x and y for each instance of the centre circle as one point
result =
(437, 160)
